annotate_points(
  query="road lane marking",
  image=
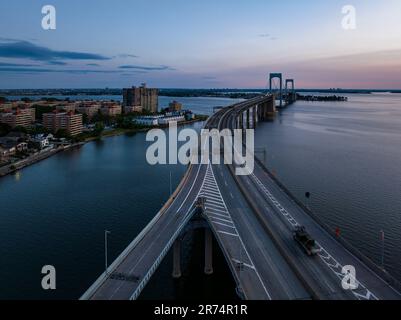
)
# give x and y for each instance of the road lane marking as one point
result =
(335, 267)
(210, 174)
(228, 233)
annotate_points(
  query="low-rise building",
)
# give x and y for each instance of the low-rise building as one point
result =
(148, 122)
(68, 107)
(10, 147)
(6, 152)
(133, 109)
(166, 120)
(174, 106)
(111, 110)
(89, 109)
(41, 141)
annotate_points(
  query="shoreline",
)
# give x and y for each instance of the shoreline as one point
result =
(31, 160)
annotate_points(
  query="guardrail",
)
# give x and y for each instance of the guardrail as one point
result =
(389, 279)
(160, 258)
(348, 246)
(103, 277)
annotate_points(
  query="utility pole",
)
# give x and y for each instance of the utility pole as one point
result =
(106, 233)
(383, 248)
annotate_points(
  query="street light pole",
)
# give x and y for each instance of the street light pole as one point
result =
(106, 233)
(383, 247)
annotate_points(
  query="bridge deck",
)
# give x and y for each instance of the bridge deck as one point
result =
(252, 219)
(142, 258)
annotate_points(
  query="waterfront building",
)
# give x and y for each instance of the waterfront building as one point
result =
(166, 120)
(174, 107)
(18, 117)
(41, 141)
(68, 121)
(148, 98)
(111, 110)
(89, 109)
(6, 152)
(149, 122)
(69, 107)
(133, 109)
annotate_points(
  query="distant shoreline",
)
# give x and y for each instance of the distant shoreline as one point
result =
(19, 165)
(183, 93)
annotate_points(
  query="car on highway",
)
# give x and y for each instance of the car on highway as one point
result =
(306, 241)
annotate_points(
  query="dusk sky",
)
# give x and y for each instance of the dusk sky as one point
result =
(199, 44)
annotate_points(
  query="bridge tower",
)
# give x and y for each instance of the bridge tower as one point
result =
(290, 93)
(276, 86)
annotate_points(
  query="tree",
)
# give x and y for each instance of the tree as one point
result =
(40, 110)
(99, 127)
(62, 133)
(20, 129)
(4, 129)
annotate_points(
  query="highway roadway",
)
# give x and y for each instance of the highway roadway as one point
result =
(252, 219)
(133, 268)
(279, 214)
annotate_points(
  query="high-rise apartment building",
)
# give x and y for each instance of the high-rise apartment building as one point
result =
(68, 121)
(148, 98)
(18, 117)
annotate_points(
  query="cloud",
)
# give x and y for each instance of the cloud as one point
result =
(5, 64)
(125, 55)
(46, 70)
(57, 63)
(267, 35)
(209, 78)
(92, 64)
(27, 50)
(146, 68)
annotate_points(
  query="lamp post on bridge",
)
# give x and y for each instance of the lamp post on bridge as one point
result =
(383, 248)
(307, 196)
(106, 233)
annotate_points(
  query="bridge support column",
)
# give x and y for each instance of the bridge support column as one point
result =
(248, 119)
(208, 252)
(177, 259)
(260, 110)
(254, 116)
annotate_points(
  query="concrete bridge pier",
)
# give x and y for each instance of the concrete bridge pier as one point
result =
(248, 119)
(208, 252)
(177, 259)
(255, 116)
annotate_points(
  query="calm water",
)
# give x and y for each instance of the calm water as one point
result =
(55, 212)
(346, 154)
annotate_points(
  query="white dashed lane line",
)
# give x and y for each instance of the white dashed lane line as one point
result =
(361, 293)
